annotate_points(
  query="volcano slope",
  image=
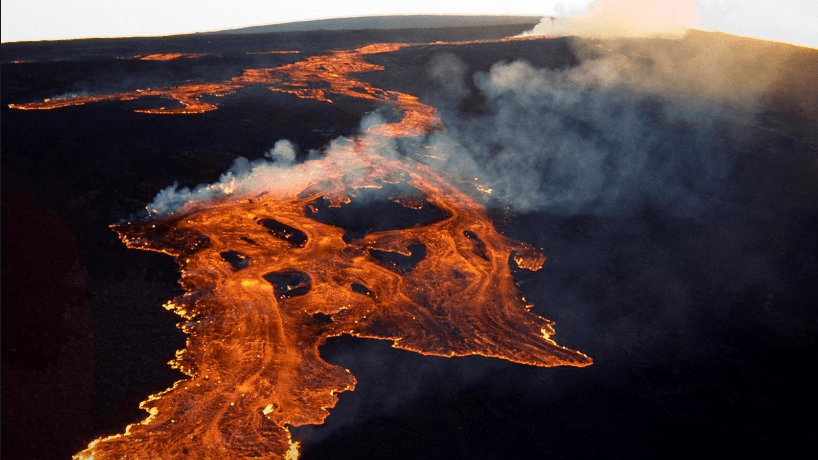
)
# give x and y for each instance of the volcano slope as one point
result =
(677, 216)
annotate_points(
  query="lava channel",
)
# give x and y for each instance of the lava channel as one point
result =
(269, 275)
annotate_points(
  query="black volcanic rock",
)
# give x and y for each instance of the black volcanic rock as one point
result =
(702, 325)
(497, 24)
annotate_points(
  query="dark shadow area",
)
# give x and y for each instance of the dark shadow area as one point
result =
(284, 232)
(390, 207)
(361, 289)
(399, 262)
(236, 259)
(289, 283)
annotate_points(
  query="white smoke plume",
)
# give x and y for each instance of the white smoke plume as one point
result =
(624, 18)
(637, 121)
(275, 172)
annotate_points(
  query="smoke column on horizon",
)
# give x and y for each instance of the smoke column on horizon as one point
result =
(635, 122)
(787, 21)
(624, 18)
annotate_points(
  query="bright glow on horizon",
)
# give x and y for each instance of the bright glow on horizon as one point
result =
(791, 21)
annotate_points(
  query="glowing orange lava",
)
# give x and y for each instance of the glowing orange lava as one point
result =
(168, 56)
(317, 78)
(267, 283)
(305, 79)
(274, 52)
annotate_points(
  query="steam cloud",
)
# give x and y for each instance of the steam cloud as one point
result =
(586, 139)
(243, 176)
(276, 172)
(637, 121)
(624, 18)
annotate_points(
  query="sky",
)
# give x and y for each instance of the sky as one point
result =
(792, 21)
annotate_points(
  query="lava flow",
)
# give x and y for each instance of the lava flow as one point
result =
(314, 78)
(269, 275)
(317, 78)
(168, 56)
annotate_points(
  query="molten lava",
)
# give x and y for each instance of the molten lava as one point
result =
(268, 279)
(306, 79)
(168, 56)
(317, 78)
(274, 52)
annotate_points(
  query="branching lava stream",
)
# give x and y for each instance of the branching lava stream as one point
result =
(267, 282)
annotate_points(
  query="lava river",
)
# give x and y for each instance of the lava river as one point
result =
(268, 278)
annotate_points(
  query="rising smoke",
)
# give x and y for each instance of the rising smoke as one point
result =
(623, 18)
(586, 139)
(275, 172)
(242, 177)
(637, 125)
(636, 121)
